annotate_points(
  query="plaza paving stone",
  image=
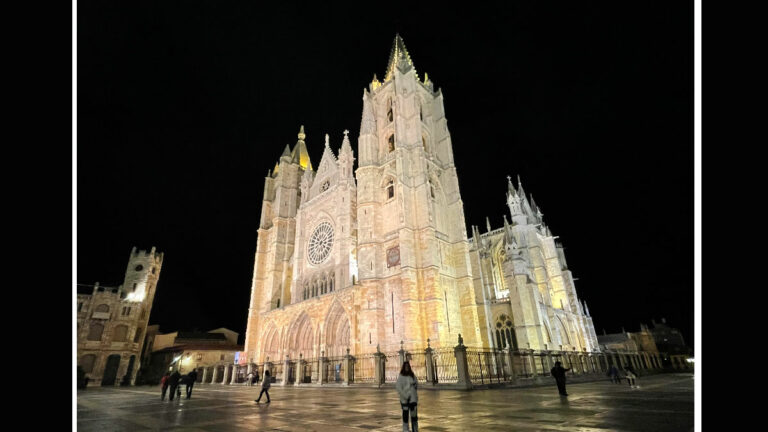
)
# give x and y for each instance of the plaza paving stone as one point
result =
(662, 403)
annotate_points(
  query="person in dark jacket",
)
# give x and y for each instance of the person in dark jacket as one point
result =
(173, 382)
(613, 372)
(265, 385)
(191, 379)
(164, 381)
(558, 373)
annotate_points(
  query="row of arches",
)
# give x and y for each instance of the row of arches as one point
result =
(304, 337)
(319, 285)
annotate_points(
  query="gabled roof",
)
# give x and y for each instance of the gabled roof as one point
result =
(201, 335)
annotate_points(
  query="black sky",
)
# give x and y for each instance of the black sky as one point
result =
(184, 106)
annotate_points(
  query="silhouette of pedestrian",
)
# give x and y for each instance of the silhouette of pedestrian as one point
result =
(164, 385)
(191, 379)
(406, 386)
(265, 385)
(558, 373)
(613, 372)
(173, 382)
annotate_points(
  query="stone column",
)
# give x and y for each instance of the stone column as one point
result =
(205, 375)
(300, 365)
(510, 364)
(321, 364)
(658, 361)
(235, 370)
(214, 374)
(534, 375)
(267, 367)
(430, 364)
(572, 362)
(460, 352)
(550, 362)
(349, 369)
(227, 372)
(249, 368)
(286, 369)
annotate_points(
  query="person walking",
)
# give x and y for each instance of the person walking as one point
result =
(558, 373)
(406, 386)
(265, 385)
(631, 376)
(164, 385)
(173, 382)
(249, 379)
(613, 372)
(191, 379)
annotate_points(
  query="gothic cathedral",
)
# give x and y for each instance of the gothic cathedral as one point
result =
(358, 259)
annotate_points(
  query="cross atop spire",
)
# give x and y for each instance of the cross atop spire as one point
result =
(398, 52)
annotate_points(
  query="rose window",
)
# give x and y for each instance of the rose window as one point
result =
(320, 243)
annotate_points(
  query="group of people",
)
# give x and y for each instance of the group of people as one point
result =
(406, 386)
(173, 380)
(629, 374)
(558, 373)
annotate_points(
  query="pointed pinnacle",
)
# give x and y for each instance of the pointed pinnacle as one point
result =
(301, 133)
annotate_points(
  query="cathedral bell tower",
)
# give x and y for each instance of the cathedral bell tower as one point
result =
(272, 273)
(412, 241)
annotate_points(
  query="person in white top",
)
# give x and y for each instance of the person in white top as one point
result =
(406, 386)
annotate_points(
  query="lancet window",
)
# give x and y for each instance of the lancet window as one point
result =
(505, 332)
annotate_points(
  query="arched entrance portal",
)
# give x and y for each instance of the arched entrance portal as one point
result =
(127, 378)
(336, 332)
(301, 336)
(110, 370)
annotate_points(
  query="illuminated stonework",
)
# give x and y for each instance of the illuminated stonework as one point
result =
(112, 322)
(400, 266)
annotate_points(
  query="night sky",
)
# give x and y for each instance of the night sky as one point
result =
(182, 107)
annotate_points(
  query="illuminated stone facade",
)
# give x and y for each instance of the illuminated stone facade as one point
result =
(527, 283)
(112, 322)
(372, 257)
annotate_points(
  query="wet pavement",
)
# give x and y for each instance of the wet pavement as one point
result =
(662, 403)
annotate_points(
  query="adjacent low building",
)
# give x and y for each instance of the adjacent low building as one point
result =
(210, 353)
(671, 344)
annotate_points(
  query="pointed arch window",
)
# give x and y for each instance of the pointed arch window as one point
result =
(424, 142)
(505, 332)
(390, 189)
(391, 143)
(389, 111)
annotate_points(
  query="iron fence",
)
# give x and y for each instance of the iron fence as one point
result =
(364, 368)
(445, 365)
(392, 367)
(485, 366)
(334, 370)
(418, 362)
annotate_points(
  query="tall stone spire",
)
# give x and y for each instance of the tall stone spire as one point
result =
(300, 151)
(346, 157)
(398, 52)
